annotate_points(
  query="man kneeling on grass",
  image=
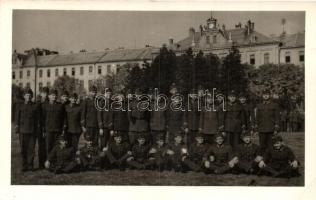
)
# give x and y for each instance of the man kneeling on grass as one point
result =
(61, 158)
(117, 153)
(219, 157)
(279, 161)
(157, 155)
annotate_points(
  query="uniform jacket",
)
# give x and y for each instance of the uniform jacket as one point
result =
(175, 121)
(211, 121)
(89, 115)
(197, 152)
(138, 119)
(89, 155)
(61, 157)
(27, 116)
(222, 154)
(118, 151)
(178, 151)
(54, 115)
(234, 118)
(120, 121)
(140, 152)
(158, 119)
(267, 117)
(105, 117)
(73, 118)
(160, 152)
(279, 159)
(248, 152)
(192, 116)
(249, 114)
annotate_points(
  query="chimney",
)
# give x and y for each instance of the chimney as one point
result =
(248, 27)
(191, 32)
(170, 41)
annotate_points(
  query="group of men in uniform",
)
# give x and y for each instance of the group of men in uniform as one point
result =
(212, 141)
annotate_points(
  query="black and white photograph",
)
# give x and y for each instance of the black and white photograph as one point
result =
(163, 98)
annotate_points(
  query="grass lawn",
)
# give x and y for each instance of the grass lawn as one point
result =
(134, 177)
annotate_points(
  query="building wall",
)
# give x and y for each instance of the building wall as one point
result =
(294, 54)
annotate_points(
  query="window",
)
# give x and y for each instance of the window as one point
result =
(214, 39)
(73, 72)
(266, 58)
(252, 59)
(13, 75)
(21, 74)
(40, 73)
(28, 73)
(118, 65)
(40, 85)
(56, 72)
(108, 69)
(48, 84)
(90, 69)
(21, 85)
(48, 73)
(28, 84)
(81, 71)
(81, 83)
(287, 57)
(301, 56)
(207, 39)
(99, 69)
(65, 72)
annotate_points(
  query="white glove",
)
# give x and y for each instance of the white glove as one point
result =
(152, 150)
(78, 153)
(129, 153)
(207, 164)
(84, 129)
(105, 149)
(261, 164)
(224, 134)
(111, 132)
(212, 158)
(294, 164)
(47, 164)
(186, 130)
(101, 132)
(184, 150)
(231, 163)
(170, 152)
(258, 159)
(235, 160)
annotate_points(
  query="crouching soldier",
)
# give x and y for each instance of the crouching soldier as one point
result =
(139, 157)
(62, 158)
(248, 155)
(117, 153)
(196, 156)
(89, 156)
(219, 157)
(176, 153)
(157, 155)
(279, 161)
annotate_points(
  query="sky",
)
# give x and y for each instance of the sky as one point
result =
(67, 31)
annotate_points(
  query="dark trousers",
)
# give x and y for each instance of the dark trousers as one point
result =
(73, 139)
(285, 172)
(51, 138)
(104, 139)
(92, 133)
(245, 166)
(193, 165)
(265, 140)
(233, 138)
(27, 144)
(41, 150)
(65, 168)
(219, 168)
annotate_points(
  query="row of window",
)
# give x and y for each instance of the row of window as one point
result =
(266, 58)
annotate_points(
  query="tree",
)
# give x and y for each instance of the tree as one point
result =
(69, 84)
(185, 75)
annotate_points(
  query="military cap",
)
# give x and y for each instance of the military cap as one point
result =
(61, 138)
(179, 133)
(242, 94)
(245, 134)
(199, 135)
(219, 135)
(232, 93)
(117, 134)
(53, 91)
(141, 136)
(74, 95)
(277, 138)
(93, 88)
(28, 91)
(160, 137)
(44, 90)
(266, 91)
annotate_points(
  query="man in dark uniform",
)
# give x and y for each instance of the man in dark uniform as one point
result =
(248, 155)
(62, 158)
(234, 120)
(220, 157)
(138, 118)
(157, 155)
(140, 150)
(248, 111)
(116, 153)
(41, 139)
(176, 152)
(89, 117)
(279, 161)
(72, 121)
(64, 97)
(105, 119)
(89, 156)
(267, 120)
(120, 121)
(196, 156)
(27, 114)
(54, 117)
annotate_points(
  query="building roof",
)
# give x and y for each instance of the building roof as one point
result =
(126, 55)
(291, 40)
(76, 58)
(41, 60)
